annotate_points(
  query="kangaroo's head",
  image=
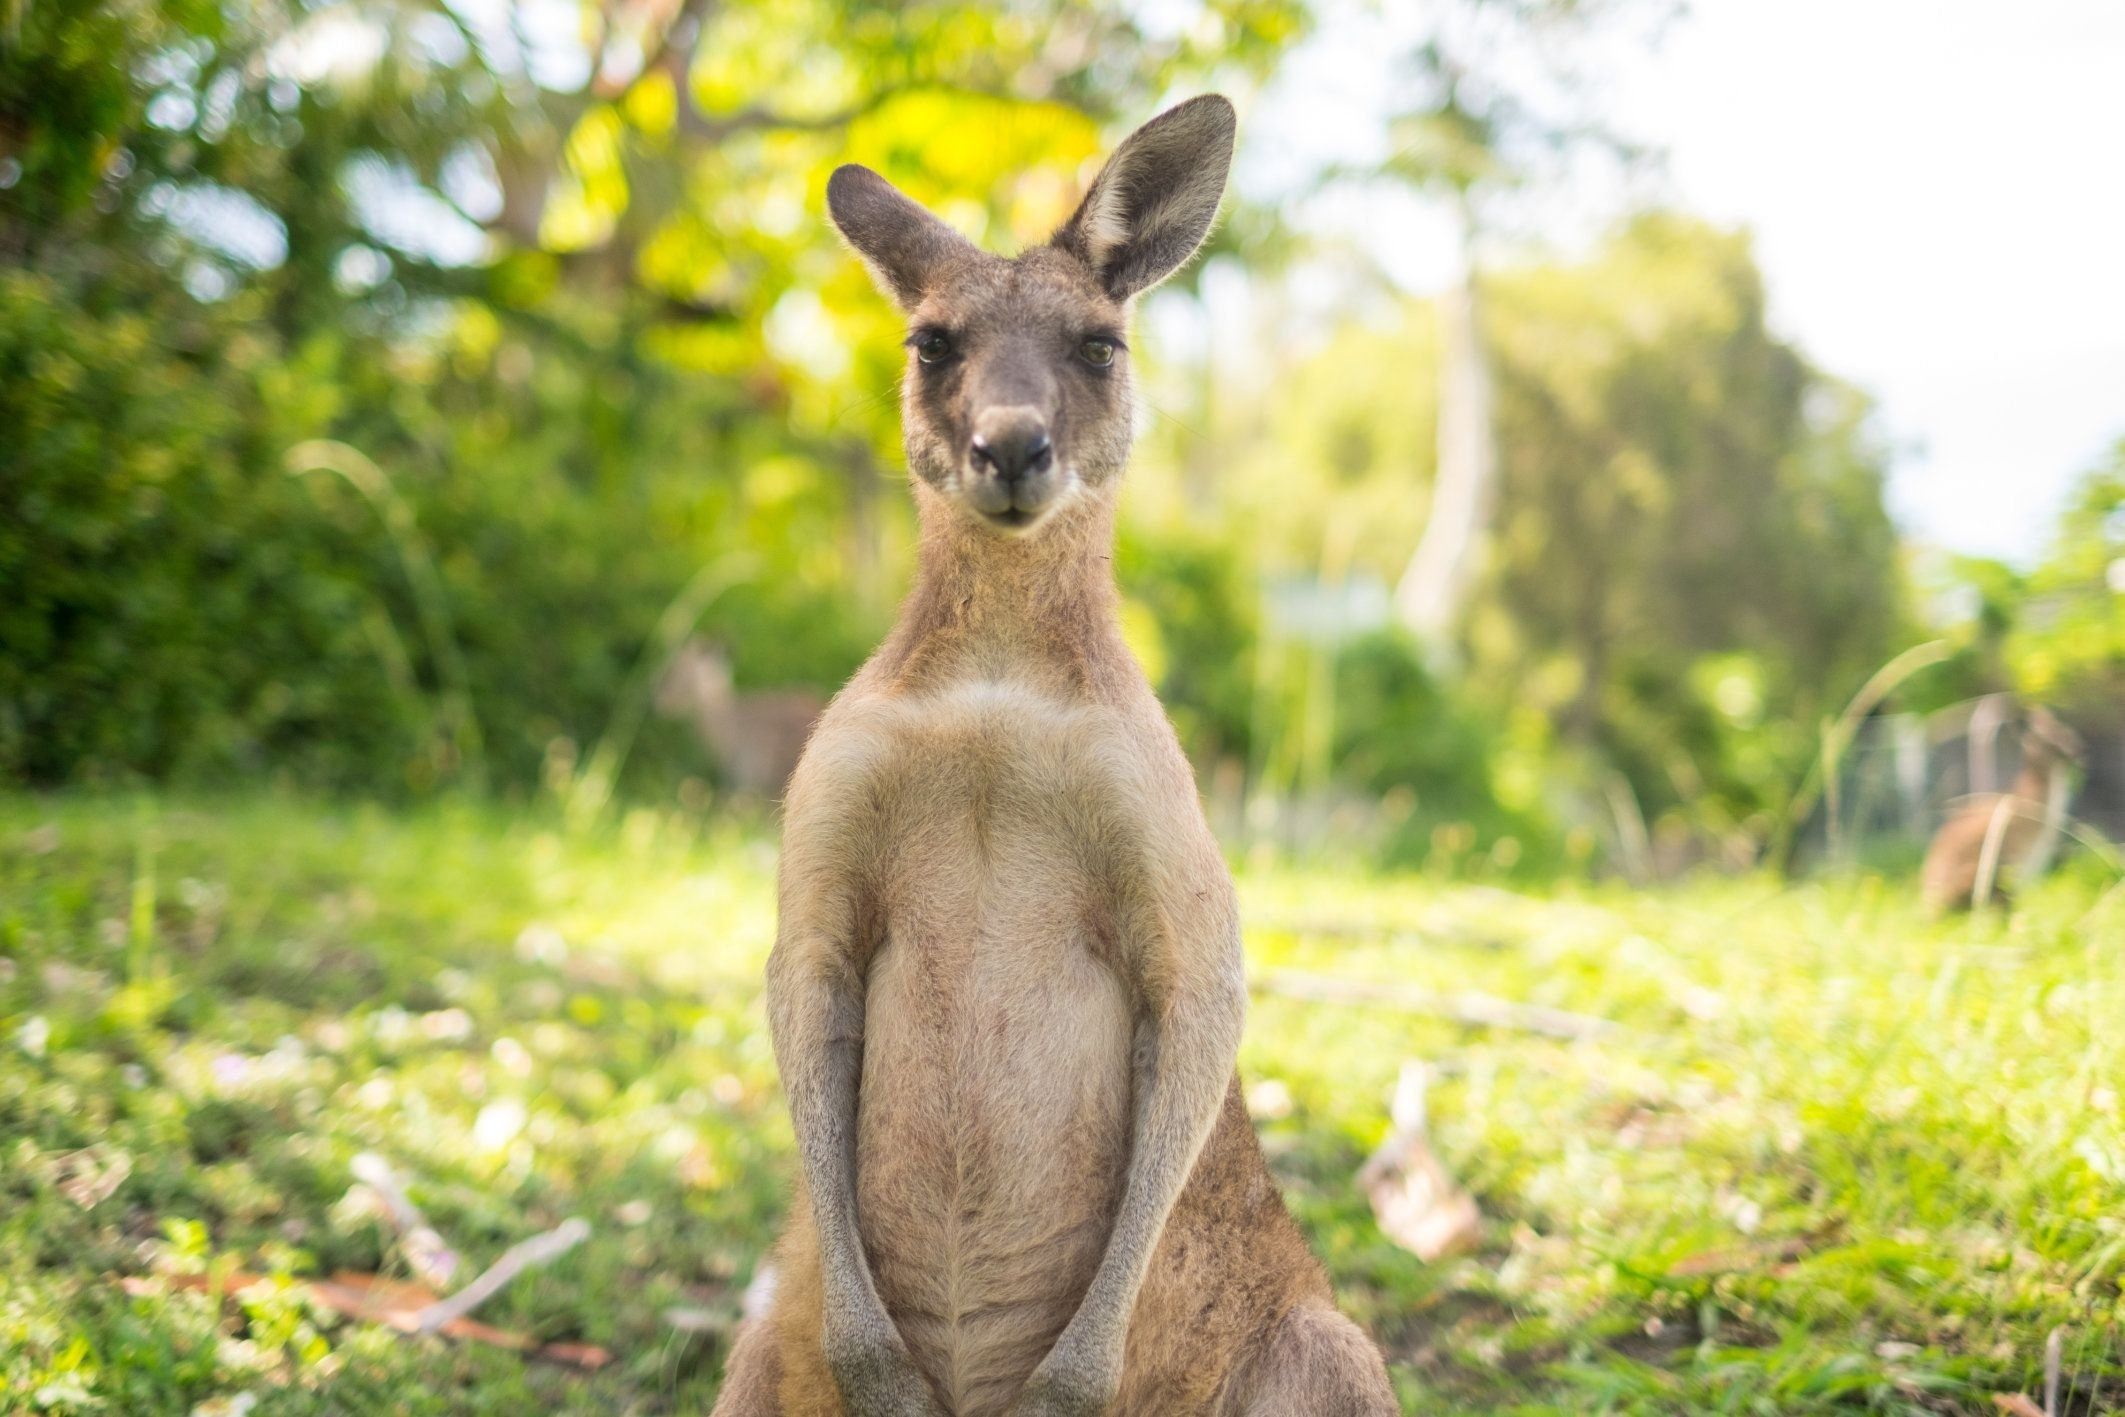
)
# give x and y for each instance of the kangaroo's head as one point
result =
(1017, 397)
(698, 677)
(2047, 740)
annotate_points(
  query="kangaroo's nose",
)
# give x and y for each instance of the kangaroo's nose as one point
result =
(1014, 444)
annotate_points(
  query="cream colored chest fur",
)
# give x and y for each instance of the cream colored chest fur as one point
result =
(994, 1103)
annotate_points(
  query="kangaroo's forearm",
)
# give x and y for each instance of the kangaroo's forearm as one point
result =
(815, 1017)
(815, 1003)
(1185, 1058)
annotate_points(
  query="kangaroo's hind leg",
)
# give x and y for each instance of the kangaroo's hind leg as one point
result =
(752, 1376)
(777, 1367)
(1316, 1363)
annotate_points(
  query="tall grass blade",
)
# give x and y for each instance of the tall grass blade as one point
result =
(1837, 737)
(592, 786)
(429, 600)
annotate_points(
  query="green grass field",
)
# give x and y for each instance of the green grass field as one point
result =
(1833, 1158)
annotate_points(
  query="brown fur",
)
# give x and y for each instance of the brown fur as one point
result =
(1006, 991)
(1949, 879)
(757, 738)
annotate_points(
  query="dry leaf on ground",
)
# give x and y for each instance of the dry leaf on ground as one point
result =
(1417, 1203)
(393, 1303)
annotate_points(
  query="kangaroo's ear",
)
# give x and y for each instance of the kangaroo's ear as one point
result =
(904, 245)
(1153, 202)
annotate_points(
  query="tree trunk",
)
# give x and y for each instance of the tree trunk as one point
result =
(1435, 587)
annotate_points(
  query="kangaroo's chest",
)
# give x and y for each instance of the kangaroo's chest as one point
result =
(995, 1094)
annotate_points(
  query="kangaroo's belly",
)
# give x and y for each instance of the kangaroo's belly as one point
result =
(994, 1104)
(992, 1134)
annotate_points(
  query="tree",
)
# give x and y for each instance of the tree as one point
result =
(1691, 560)
(1504, 95)
(571, 292)
(1692, 556)
(2066, 642)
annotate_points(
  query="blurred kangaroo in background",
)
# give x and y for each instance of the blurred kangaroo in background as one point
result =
(1006, 990)
(756, 738)
(1991, 833)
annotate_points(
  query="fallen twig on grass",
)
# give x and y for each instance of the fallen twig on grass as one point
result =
(1480, 1010)
(2016, 1404)
(1772, 1256)
(91, 1176)
(430, 1258)
(392, 1303)
(1468, 917)
(1414, 1199)
(753, 1307)
(417, 1308)
(760, 1294)
(538, 1250)
(694, 1318)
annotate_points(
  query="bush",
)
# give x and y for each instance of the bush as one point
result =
(1188, 592)
(1403, 737)
(175, 604)
(181, 608)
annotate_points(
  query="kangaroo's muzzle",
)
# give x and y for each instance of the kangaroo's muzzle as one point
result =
(1011, 475)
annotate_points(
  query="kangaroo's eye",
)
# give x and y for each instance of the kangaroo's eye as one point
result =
(933, 346)
(1097, 352)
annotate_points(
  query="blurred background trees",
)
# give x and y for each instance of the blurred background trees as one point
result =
(558, 273)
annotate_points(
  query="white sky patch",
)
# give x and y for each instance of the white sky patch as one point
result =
(401, 213)
(231, 222)
(336, 45)
(1934, 189)
(541, 38)
(552, 31)
(1936, 194)
(799, 331)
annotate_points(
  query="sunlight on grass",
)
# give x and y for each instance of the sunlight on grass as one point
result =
(1832, 1157)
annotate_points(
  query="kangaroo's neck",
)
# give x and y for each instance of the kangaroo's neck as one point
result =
(1039, 607)
(2034, 780)
(717, 714)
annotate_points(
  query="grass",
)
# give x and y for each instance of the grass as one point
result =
(1837, 1159)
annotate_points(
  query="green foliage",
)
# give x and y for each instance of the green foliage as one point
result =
(1443, 767)
(190, 609)
(1184, 594)
(2053, 634)
(1336, 480)
(175, 604)
(1692, 561)
(1836, 1158)
(591, 327)
(2067, 648)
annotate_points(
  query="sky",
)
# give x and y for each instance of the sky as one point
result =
(1937, 194)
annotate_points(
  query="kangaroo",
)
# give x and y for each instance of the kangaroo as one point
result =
(756, 738)
(1006, 992)
(2018, 824)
